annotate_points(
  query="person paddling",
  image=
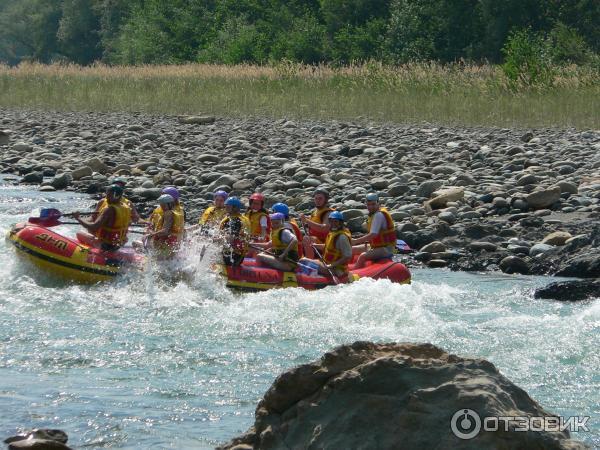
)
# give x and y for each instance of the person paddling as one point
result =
(284, 246)
(289, 223)
(318, 223)
(119, 181)
(167, 228)
(213, 215)
(174, 192)
(337, 250)
(381, 234)
(235, 232)
(257, 215)
(110, 227)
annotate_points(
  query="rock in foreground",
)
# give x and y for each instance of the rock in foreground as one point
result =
(391, 396)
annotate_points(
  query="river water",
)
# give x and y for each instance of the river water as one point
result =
(145, 363)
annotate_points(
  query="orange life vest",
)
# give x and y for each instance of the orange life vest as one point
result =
(387, 236)
(317, 216)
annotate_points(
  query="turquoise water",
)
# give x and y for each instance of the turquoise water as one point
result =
(144, 364)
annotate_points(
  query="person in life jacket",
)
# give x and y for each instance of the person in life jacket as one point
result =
(380, 237)
(337, 249)
(213, 215)
(257, 215)
(173, 192)
(283, 246)
(317, 223)
(289, 223)
(112, 222)
(119, 181)
(235, 233)
(167, 227)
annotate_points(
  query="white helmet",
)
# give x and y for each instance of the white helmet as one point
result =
(165, 199)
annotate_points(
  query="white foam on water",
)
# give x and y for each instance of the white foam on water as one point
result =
(156, 360)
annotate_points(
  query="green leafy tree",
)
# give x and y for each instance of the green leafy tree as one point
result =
(79, 31)
(443, 30)
(28, 30)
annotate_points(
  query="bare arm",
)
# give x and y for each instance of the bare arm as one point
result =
(104, 218)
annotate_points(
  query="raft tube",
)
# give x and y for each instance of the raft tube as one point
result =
(252, 277)
(67, 258)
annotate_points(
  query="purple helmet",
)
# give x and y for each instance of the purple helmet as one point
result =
(221, 194)
(277, 216)
(172, 191)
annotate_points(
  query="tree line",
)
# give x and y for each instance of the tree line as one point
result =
(307, 31)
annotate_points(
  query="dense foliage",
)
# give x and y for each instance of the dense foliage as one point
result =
(308, 31)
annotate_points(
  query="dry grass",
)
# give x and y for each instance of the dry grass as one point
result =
(458, 94)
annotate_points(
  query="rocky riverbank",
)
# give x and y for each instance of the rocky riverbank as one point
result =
(520, 201)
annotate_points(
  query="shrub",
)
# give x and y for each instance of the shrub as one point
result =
(527, 61)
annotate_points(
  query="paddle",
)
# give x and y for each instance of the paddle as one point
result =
(77, 223)
(51, 214)
(335, 279)
(256, 247)
(403, 247)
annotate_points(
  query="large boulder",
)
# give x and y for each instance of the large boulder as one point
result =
(80, 172)
(514, 264)
(543, 198)
(197, 120)
(96, 165)
(557, 238)
(426, 188)
(586, 265)
(570, 290)
(391, 396)
(443, 196)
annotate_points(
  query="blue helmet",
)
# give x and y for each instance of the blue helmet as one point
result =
(234, 202)
(336, 215)
(281, 208)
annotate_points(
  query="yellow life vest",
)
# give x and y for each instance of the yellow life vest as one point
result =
(170, 242)
(116, 233)
(331, 253)
(254, 219)
(239, 244)
(387, 236)
(102, 204)
(317, 216)
(212, 216)
(278, 246)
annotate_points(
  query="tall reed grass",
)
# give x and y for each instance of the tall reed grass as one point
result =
(454, 94)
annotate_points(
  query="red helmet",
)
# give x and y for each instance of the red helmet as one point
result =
(257, 196)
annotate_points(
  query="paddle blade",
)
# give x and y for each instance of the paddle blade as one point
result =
(50, 214)
(402, 247)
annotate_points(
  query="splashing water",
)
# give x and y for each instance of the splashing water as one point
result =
(154, 361)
